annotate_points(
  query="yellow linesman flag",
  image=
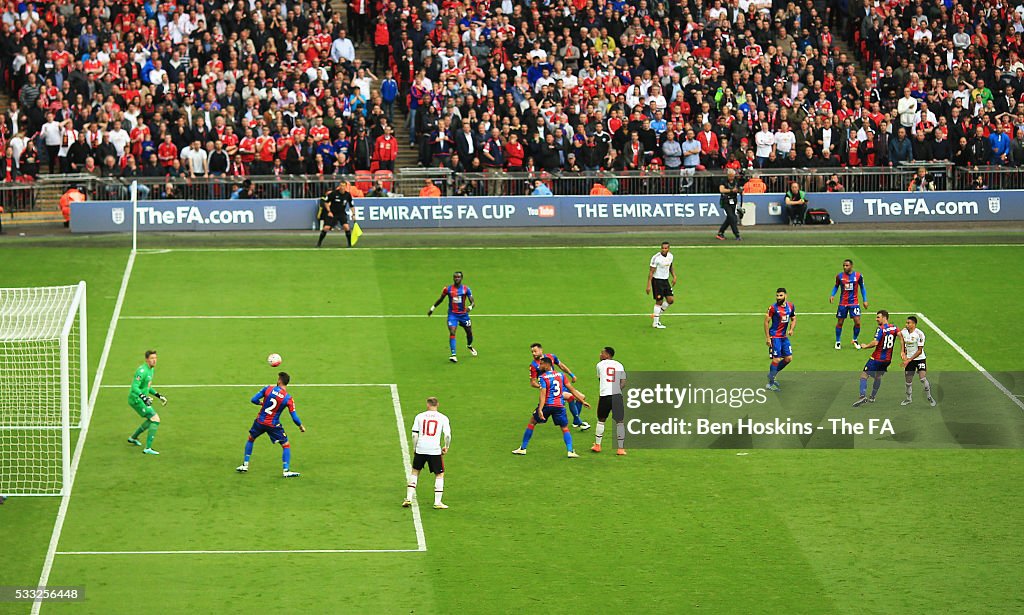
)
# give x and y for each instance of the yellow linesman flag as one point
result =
(356, 234)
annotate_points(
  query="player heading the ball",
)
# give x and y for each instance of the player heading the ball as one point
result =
(140, 398)
(272, 400)
(460, 304)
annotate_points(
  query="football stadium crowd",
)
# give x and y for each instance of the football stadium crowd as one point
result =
(189, 88)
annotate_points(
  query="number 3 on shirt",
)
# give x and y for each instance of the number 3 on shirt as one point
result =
(556, 388)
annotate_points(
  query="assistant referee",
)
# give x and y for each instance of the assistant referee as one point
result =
(334, 211)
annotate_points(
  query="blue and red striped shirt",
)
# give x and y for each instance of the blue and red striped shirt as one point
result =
(535, 365)
(847, 284)
(553, 383)
(886, 338)
(781, 315)
(457, 296)
(272, 400)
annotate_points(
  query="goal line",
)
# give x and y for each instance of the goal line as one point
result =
(417, 519)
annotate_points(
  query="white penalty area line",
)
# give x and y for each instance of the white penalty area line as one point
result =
(714, 246)
(247, 386)
(240, 552)
(376, 316)
(417, 519)
(963, 353)
(62, 511)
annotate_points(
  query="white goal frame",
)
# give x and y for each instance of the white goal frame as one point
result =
(76, 313)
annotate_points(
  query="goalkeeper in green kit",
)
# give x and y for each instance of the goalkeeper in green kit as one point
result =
(141, 401)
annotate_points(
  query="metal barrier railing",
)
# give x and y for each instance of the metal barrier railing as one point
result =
(17, 197)
(991, 178)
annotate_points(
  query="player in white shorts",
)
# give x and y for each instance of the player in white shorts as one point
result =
(914, 360)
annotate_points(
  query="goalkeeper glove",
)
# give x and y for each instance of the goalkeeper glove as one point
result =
(163, 400)
(146, 400)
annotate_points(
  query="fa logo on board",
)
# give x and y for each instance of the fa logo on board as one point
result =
(847, 205)
(994, 205)
(270, 213)
(117, 215)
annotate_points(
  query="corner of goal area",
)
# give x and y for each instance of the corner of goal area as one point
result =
(348, 453)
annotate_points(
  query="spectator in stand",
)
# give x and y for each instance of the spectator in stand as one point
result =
(430, 190)
(999, 143)
(979, 151)
(1017, 149)
(386, 150)
(541, 189)
(900, 149)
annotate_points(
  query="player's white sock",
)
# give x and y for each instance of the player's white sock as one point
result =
(438, 489)
(410, 491)
(927, 387)
(599, 433)
(910, 388)
(664, 307)
(620, 434)
(657, 311)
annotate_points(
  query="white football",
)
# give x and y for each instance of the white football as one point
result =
(274, 359)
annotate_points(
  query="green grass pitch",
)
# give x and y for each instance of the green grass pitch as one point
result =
(669, 531)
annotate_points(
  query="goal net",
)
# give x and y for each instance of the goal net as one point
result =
(43, 390)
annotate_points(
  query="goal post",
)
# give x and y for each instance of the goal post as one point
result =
(43, 386)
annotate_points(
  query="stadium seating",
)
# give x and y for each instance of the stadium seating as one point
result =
(288, 91)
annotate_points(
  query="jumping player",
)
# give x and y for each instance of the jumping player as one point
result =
(884, 342)
(658, 279)
(914, 361)
(460, 304)
(552, 404)
(779, 323)
(847, 283)
(427, 428)
(272, 400)
(575, 406)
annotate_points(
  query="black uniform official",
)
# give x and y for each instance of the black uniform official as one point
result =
(730, 190)
(333, 212)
